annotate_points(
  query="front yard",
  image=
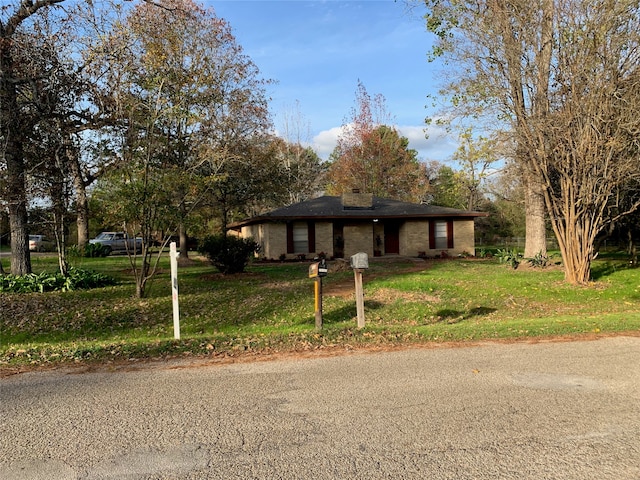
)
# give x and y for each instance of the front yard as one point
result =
(270, 309)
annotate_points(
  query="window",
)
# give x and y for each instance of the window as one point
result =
(441, 234)
(301, 237)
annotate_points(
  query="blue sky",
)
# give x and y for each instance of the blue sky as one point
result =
(317, 51)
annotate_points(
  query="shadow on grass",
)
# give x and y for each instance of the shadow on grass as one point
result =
(341, 314)
(601, 270)
(455, 316)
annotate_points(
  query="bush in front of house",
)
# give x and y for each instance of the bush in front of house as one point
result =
(228, 254)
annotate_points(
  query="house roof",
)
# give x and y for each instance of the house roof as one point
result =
(330, 207)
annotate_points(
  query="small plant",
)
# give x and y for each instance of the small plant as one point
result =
(539, 260)
(228, 254)
(509, 256)
(76, 279)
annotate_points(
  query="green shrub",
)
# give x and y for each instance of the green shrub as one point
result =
(90, 250)
(49, 282)
(228, 254)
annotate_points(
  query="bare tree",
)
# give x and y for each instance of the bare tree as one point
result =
(562, 76)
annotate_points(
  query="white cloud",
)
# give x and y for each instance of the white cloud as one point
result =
(325, 141)
(432, 142)
(438, 146)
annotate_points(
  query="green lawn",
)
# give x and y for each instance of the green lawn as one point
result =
(270, 309)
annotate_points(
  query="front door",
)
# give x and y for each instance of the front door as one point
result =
(391, 238)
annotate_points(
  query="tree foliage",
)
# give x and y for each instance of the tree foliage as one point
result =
(190, 106)
(372, 156)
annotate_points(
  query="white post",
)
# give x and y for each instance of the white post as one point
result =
(173, 254)
(359, 297)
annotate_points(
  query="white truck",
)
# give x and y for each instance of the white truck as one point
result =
(118, 242)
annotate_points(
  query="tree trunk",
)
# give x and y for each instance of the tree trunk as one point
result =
(82, 203)
(536, 236)
(59, 201)
(16, 192)
(182, 232)
(143, 274)
(20, 257)
(577, 251)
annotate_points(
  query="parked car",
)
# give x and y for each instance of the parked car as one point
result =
(40, 243)
(118, 242)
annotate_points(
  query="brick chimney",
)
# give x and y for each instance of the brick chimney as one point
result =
(357, 200)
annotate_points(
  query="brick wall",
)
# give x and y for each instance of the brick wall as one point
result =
(358, 238)
(464, 238)
(324, 238)
(414, 238)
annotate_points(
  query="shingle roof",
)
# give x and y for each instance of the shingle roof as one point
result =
(329, 207)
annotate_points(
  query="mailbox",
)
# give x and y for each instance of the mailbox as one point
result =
(323, 268)
(360, 260)
(318, 269)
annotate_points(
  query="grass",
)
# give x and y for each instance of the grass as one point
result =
(270, 309)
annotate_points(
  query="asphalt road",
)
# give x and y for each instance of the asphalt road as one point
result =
(493, 411)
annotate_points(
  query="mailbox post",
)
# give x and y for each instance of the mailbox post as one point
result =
(359, 263)
(317, 271)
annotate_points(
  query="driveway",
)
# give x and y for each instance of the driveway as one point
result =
(492, 411)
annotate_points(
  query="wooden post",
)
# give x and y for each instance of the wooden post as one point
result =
(318, 303)
(359, 296)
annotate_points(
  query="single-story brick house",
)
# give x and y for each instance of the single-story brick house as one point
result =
(357, 222)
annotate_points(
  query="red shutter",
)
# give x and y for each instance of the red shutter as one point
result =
(311, 236)
(449, 233)
(290, 237)
(432, 234)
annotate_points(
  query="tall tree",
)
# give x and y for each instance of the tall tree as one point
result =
(28, 29)
(447, 189)
(372, 156)
(303, 169)
(192, 104)
(562, 75)
(14, 84)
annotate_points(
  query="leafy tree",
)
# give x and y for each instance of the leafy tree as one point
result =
(249, 181)
(563, 77)
(15, 81)
(475, 155)
(191, 107)
(447, 189)
(373, 157)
